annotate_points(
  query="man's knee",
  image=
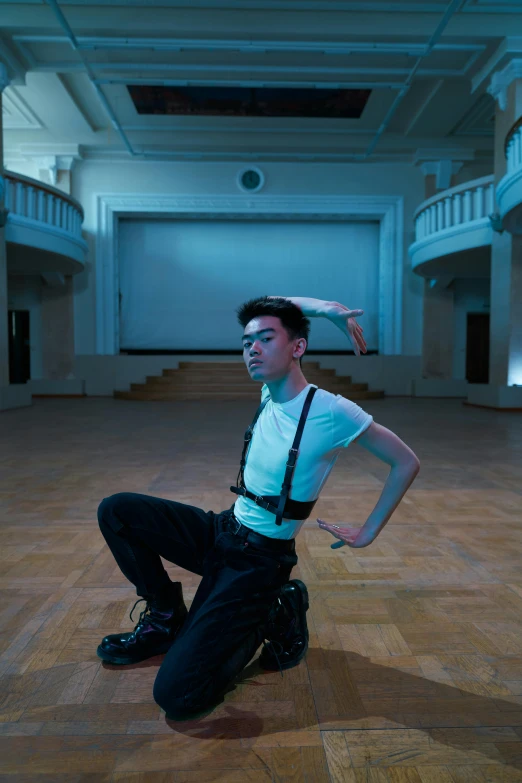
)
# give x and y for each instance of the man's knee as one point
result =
(177, 703)
(112, 509)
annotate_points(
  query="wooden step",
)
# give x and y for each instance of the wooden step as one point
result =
(227, 365)
(336, 386)
(231, 381)
(235, 372)
(212, 395)
(161, 388)
(186, 380)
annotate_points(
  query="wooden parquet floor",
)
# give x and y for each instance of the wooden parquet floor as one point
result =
(414, 672)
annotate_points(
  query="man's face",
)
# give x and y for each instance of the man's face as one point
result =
(267, 342)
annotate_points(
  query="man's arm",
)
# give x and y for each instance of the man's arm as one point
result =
(315, 308)
(338, 314)
(389, 448)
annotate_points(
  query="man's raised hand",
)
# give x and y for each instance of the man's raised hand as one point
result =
(344, 319)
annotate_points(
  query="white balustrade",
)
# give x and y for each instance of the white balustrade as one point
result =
(457, 206)
(514, 151)
(29, 198)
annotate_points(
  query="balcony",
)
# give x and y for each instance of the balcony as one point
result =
(453, 231)
(44, 228)
(509, 189)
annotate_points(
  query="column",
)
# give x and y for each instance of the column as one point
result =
(505, 358)
(57, 291)
(4, 335)
(11, 395)
(57, 327)
(437, 333)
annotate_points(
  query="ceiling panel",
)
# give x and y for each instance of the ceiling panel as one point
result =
(328, 44)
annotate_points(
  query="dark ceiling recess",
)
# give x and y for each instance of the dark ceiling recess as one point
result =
(249, 101)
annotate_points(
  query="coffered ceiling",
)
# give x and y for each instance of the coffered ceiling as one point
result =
(428, 66)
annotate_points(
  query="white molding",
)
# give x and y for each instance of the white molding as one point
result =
(246, 82)
(442, 153)
(69, 66)
(509, 47)
(443, 169)
(30, 151)
(247, 45)
(52, 164)
(387, 209)
(47, 164)
(382, 6)
(501, 80)
(16, 114)
(109, 155)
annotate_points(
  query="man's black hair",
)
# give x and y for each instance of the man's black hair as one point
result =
(295, 324)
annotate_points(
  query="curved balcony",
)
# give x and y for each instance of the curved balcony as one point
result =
(509, 189)
(453, 231)
(44, 228)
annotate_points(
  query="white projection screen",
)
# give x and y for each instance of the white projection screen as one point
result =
(181, 281)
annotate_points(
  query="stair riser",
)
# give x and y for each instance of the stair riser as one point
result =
(163, 388)
(240, 372)
(209, 396)
(227, 365)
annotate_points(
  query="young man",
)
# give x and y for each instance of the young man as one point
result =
(246, 553)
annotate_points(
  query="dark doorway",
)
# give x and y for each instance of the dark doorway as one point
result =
(477, 348)
(19, 346)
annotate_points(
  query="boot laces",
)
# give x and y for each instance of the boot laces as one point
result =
(146, 611)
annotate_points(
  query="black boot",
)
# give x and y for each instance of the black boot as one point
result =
(287, 632)
(157, 627)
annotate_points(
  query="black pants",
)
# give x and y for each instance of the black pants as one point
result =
(242, 575)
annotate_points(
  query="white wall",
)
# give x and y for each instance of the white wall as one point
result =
(27, 168)
(471, 296)
(180, 279)
(25, 293)
(213, 178)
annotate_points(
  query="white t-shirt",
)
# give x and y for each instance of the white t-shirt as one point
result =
(333, 422)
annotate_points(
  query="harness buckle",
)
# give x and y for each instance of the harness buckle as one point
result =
(262, 502)
(238, 525)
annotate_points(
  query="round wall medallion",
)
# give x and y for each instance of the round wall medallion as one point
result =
(251, 180)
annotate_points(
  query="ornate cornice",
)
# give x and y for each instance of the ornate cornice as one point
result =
(501, 80)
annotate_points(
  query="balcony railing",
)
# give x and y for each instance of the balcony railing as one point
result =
(44, 228)
(450, 225)
(514, 149)
(29, 198)
(509, 189)
(458, 206)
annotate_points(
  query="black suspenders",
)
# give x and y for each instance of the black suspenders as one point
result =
(280, 505)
